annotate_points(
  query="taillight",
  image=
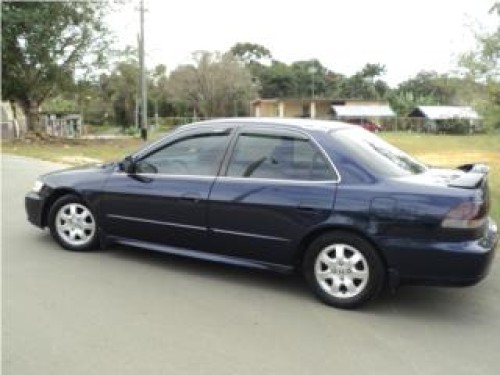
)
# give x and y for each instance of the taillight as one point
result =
(470, 214)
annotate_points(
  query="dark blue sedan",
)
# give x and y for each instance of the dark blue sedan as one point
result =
(350, 211)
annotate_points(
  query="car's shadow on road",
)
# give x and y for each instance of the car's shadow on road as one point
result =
(456, 305)
(411, 301)
(242, 276)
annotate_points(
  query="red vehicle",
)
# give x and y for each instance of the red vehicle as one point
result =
(366, 124)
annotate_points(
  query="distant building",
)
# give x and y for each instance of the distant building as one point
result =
(13, 122)
(62, 124)
(356, 111)
(453, 119)
(58, 124)
(321, 108)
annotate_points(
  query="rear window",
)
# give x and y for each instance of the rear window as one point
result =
(378, 155)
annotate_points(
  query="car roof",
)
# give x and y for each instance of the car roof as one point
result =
(298, 123)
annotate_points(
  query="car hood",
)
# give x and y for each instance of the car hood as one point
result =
(78, 176)
(81, 169)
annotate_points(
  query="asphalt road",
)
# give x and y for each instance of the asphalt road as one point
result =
(127, 311)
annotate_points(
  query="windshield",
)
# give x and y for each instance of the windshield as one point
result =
(377, 153)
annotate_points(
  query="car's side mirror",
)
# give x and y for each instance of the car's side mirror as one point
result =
(127, 165)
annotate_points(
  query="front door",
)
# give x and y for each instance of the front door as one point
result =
(165, 200)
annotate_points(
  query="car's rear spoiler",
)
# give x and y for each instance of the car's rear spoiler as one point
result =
(473, 179)
(475, 168)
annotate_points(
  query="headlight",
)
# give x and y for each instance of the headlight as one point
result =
(37, 186)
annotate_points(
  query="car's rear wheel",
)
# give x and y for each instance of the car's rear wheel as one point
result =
(72, 224)
(343, 269)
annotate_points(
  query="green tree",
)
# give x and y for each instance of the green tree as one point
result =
(60, 103)
(160, 102)
(423, 89)
(429, 84)
(306, 73)
(250, 53)
(403, 102)
(276, 80)
(215, 85)
(363, 85)
(482, 66)
(43, 44)
(121, 88)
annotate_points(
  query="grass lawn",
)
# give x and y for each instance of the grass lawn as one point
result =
(438, 150)
(73, 151)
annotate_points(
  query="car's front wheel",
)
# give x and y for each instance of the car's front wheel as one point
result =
(343, 269)
(72, 224)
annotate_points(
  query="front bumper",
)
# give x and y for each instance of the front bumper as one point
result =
(34, 208)
(442, 263)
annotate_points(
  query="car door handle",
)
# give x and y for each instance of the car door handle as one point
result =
(190, 197)
(141, 178)
(308, 207)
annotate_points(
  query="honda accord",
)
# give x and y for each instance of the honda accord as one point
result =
(335, 202)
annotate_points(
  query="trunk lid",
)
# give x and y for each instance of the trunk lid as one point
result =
(467, 176)
(468, 205)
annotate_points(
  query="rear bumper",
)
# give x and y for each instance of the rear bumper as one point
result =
(34, 208)
(442, 263)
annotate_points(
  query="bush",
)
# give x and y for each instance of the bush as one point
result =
(492, 118)
(168, 122)
(131, 131)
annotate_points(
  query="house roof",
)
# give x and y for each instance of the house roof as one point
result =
(439, 112)
(368, 110)
(276, 100)
(319, 100)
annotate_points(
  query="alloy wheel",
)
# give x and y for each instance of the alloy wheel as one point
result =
(75, 224)
(341, 271)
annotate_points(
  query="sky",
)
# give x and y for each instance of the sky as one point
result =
(405, 36)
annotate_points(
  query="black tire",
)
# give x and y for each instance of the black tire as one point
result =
(327, 286)
(89, 239)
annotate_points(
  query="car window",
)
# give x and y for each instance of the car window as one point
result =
(197, 155)
(377, 154)
(278, 157)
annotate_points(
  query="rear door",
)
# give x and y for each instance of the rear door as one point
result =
(275, 186)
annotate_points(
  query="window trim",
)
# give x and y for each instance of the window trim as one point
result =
(180, 134)
(179, 137)
(276, 132)
(234, 130)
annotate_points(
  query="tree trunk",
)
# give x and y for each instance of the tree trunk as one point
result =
(32, 113)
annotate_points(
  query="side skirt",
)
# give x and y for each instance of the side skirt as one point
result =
(236, 261)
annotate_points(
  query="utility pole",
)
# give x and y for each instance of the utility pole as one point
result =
(312, 108)
(312, 71)
(144, 104)
(137, 120)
